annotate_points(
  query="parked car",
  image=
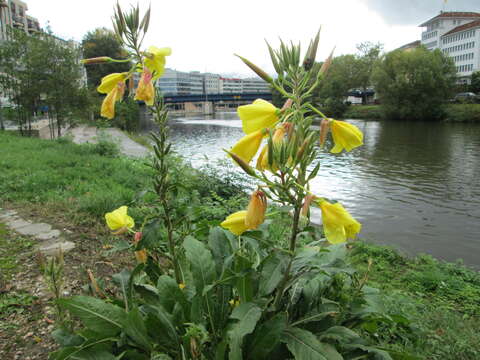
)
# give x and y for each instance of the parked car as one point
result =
(466, 97)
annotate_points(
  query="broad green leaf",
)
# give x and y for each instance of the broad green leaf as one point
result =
(122, 279)
(379, 354)
(201, 263)
(339, 333)
(305, 346)
(170, 293)
(244, 282)
(267, 336)
(272, 273)
(93, 354)
(248, 315)
(135, 328)
(160, 326)
(96, 314)
(86, 351)
(148, 293)
(220, 247)
(65, 338)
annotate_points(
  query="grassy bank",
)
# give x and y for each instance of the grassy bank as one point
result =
(453, 112)
(72, 186)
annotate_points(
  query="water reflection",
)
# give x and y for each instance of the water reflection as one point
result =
(413, 185)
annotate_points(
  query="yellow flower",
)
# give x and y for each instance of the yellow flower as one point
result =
(114, 86)
(236, 222)
(346, 136)
(256, 210)
(247, 147)
(338, 224)
(234, 302)
(118, 221)
(145, 90)
(258, 115)
(182, 286)
(155, 60)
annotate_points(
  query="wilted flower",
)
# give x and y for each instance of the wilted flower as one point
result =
(145, 90)
(256, 210)
(96, 60)
(345, 136)
(338, 224)
(155, 60)
(324, 128)
(114, 86)
(118, 221)
(140, 255)
(258, 115)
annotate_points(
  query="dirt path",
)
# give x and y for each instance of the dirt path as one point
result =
(88, 134)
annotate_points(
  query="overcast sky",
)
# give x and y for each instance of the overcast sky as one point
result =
(204, 34)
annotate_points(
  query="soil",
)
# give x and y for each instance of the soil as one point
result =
(29, 317)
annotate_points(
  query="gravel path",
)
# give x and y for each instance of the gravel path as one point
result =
(88, 134)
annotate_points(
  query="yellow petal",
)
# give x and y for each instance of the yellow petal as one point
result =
(345, 136)
(119, 218)
(156, 63)
(108, 104)
(247, 147)
(235, 222)
(145, 90)
(258, 115)
(338, 224)
(110, 81)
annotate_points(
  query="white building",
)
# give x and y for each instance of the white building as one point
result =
(231, 85)
(456, 34)
(255, 85)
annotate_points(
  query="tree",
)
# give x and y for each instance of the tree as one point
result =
(414, 85)
(102, 42)
(39, 70)
(366, 59)
(475, 84)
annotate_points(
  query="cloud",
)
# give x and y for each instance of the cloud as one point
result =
(414, 12)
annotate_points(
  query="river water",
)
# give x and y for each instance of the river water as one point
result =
(413, 185)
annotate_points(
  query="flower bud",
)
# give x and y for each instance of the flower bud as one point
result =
(326, 64)
(256, 69)
(245, 167)
(287, 105)
(96, 60)
(324, 128)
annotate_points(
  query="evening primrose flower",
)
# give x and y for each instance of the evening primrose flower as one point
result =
(236, 222)
(118, 221)
(258, 115)
(345, 136)
(248, 146)
(256, 210)
(114, 86)
(338, 224)
(155, 60)
(145, 90)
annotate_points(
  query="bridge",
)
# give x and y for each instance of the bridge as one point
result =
(226, 97)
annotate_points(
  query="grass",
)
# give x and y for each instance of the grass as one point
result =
(78, 185)
(441, 299)
(453, 112)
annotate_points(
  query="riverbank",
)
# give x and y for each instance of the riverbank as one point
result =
(79, 184)
(467, 113)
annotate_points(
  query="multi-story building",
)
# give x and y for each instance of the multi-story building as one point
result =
(456, 34)
(14, 13)
(195, 83)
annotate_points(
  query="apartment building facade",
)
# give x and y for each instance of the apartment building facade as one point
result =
(456, 34)
(14, 13)
(175, 82)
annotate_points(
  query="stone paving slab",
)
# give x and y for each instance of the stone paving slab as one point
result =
(54, 246)
(16, 223)
(49, 235)
(5, 214)
(34, 229)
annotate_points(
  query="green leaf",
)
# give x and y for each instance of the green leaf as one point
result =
(379, 354)
(272, 273)
(148, 293)
(136, 329)
(248, 315)
(170, 293)
(305, 346)
(96, 314)
(267, 336)
(160, 326)
(122, 279)
(65, 338)
(93, 354)
(339, 333)
(244, 282)
(220, 247)
(201, 263)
